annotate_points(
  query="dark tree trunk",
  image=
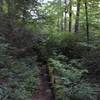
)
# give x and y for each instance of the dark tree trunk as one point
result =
(87, 21)
(24, 12)
(77, 17)
(62, 23)
(70, 16)
(11, 8)
(65, 16)
(61, 19)
(1, 3)
(62, 26)
(24, 19)
(11, 13)
(58, 20)
(58, 24)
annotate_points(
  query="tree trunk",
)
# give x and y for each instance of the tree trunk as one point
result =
(65, 16)
(11, 8)
(61, 18)
(11, 13)
(62, 23)
(24, 12)
(58, 15)
(1, 3)
(87, 21)
(77, 17)
(24, 19)
(58, 24)
(70, 16)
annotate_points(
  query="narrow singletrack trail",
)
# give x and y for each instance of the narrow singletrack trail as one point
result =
(45, 91)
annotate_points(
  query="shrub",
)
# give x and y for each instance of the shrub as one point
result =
(92, 62)
(17, 76)
(68, 44)
(68, 82)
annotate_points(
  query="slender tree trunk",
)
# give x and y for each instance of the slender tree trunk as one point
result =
(58, 15)
(11, 13)
(58, 24)
(62, 23)
(87, 21)
(77, 17)
(65, 16)
(61, 18)
(70, 16)
(11, 8)
(24, 12)
(1, 3)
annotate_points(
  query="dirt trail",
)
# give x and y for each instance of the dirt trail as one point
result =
(45, 92)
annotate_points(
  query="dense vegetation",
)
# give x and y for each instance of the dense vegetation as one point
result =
(62, 34)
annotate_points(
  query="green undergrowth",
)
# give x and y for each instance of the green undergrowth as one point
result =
(68, 82)
(19, 79)
(18, 76)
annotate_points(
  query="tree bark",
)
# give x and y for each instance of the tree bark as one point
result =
(59, 15)
(87, 21)
(24, 12)
(77, 17)
(65, 16)
(62, 23)
(70, 16)
(11, 13)
(1, 3)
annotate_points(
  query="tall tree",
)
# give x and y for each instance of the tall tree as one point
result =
(65, 16)
(24, 11)
(87, 21)
(70, 15)
(1, 3)
(61, 17)
(11, 12)
(58, 14)
(62, 22)
(11, 8)
(77, 17)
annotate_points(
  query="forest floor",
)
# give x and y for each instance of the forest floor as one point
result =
(44, 92)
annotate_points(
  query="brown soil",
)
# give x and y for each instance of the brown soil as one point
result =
(44, 92)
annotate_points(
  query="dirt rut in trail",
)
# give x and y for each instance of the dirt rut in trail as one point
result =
(45, 90)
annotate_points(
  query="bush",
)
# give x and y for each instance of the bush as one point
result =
(17, 76)
(68, 82)
(92, 62)
(20, 78)
(68, 44)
